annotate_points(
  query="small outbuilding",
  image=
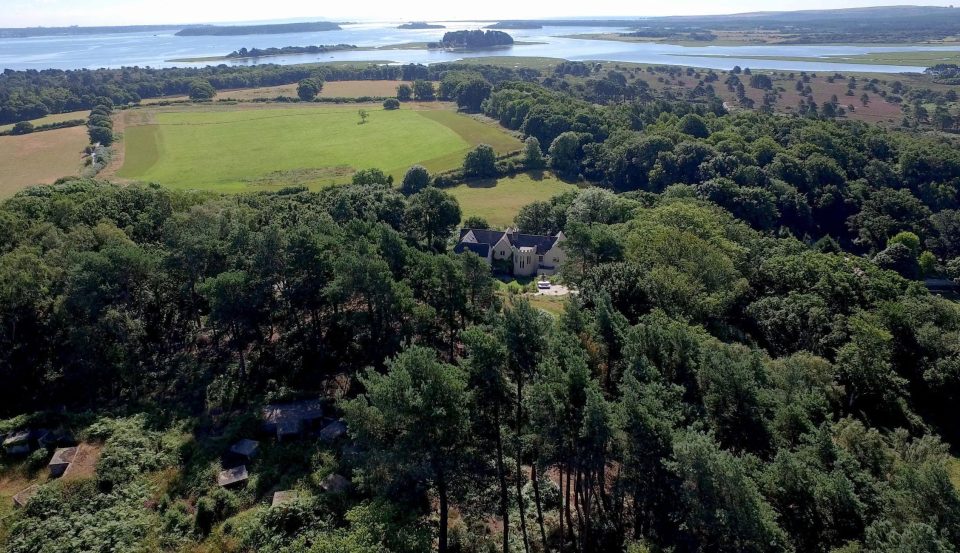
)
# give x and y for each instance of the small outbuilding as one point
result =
(245, 448)
(333, 431)
(17, 443)
(282, 497)
(84, 463)
(24, 495)
(287, 420)
(336, 484)
(61, 460)
(234, 477)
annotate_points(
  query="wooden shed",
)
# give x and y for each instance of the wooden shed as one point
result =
(245, 448)
(61, 460)
(336, 484)
(333, 431)
(24, 495)
(236, 476)
(281, 497)
(287, 420)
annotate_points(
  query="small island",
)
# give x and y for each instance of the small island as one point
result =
(245, 53)
(416, 25)
(277, 29)
(473, 40)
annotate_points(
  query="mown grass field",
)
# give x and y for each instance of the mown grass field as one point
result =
(40, 158)
(235, 148)
(499, 201)
(54, 118)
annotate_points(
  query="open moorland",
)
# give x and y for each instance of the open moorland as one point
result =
(231, 148)
(40, 158)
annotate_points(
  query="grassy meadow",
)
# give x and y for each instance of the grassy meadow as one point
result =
(234, 148)
(499, 201)
(40, 158)
(53, 118)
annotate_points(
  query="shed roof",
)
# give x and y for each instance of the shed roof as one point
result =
(333, 431)
(281, 497)
(232, 476)
(63, 456)
(84, 462)
(17, 438)
(288, 418)
(245, 447)
(24, 495)
(336, 484)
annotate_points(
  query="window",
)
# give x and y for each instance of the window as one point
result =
(541, 259)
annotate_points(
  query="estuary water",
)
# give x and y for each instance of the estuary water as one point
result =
(158, 49)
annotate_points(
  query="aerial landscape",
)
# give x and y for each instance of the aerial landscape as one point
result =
(681, 278)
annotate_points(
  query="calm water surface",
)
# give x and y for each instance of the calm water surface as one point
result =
(157, 49)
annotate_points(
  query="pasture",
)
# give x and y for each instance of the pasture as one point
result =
(53, 118)
(246, 147)
(40, 158)
(499, 201)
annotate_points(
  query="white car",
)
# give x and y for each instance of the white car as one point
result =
(543, 285)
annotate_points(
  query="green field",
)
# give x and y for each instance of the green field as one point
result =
(53, 118)
(499, 201)
(243, 148)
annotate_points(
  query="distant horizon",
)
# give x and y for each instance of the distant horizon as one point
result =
(111, 13)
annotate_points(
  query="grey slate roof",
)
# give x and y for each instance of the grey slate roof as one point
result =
(543, 244)
(483, 250)
(246, 448)
(286, 496)
(333, 431)
(232, 476)
(336, 484)
(63, 456)
(24, 495)
(17, 438)
(288, 418)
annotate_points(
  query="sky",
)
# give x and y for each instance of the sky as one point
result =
(50, 13)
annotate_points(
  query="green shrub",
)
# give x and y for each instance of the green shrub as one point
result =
(23, 127)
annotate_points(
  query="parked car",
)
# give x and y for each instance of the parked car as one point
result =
(543, 285)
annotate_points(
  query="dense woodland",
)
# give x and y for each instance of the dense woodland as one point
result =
(752, 364)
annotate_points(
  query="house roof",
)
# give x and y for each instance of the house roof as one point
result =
(470, 238)
(482, 250)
